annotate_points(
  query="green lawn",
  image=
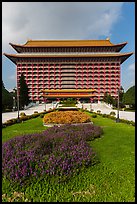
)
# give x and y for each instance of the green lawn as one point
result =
(112, 180)
(29, 126)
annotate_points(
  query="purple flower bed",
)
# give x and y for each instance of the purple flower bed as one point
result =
(60, 151)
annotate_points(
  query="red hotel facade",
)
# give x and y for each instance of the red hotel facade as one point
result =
(69, 68)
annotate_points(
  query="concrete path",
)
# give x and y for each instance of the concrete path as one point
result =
(102, 107)
(30, 111)
(127, 115)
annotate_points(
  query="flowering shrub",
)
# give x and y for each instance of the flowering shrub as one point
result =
(57, 151)
(64, 117)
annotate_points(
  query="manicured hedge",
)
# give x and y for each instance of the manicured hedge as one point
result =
(66, 117)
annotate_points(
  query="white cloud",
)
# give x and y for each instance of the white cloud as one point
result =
(62, 20)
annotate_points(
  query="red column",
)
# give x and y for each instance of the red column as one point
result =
(48, 76)
(82, 77)
(59, 76)
(32, 84)
(37, 81)
(21, 68)
(43, 84)
(87, 77)
(76, 76)
(17, 76)
(119, 76)
(104, 79)
(115, 79)
(54, 77)
(99, 82)
(110, 78)
(93, 77)
(27, 73)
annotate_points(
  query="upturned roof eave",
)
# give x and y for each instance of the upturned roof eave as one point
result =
(60, 44)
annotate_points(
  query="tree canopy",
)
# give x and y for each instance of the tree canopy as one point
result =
(129, 96)
(7, 100)
(23, 92)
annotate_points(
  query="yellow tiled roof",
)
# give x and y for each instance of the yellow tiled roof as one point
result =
(65, 43)
(68, 95)
(67, 90)
(68, 43)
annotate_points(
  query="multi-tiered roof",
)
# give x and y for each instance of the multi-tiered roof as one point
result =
(68, 48)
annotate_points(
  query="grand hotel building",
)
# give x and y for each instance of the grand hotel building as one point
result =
(69, 68)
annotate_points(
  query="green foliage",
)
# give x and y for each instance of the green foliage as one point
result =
(108, 99)
(129, 96)
(68, 102)
(94, 115)
(112, 113)
(98, 111)
(41, 115)
(24, 97)
(7, 100)
(22, 114)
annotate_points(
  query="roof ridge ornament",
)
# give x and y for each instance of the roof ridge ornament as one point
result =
(107, 38)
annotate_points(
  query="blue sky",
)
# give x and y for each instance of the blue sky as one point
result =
(68, 20)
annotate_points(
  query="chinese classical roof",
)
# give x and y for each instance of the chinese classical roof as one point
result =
(24, 53)
(14, 57)
(68, 90)
(60, 93)
(68, 43)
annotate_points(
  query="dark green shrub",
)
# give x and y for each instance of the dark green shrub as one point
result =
(23, 118)
(94, 115)
(111, 117)
(104, 115)
(112, 113)
(42, 115)
(22, 114)
(98, 111)
(91, 110)
(35, 115)
(132, 123)
(35, 112)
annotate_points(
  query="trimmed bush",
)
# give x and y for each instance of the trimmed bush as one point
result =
(35, 112)
(66, 117)
(112, 113)
(94, 115)
(42, 115)
(98, 111)
(22, 114)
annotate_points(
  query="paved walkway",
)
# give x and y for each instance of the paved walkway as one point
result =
(40, 108)
(102, 107)
(127, 115)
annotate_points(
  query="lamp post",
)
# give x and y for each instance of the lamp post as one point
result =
(91, 101)
(117, 119)
(45, 103)
(14, 105)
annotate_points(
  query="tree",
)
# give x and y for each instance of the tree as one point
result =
(108, 99)
(23, 92)
(7, 100)
(3, 85)
(129, 96)
(14, 96)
